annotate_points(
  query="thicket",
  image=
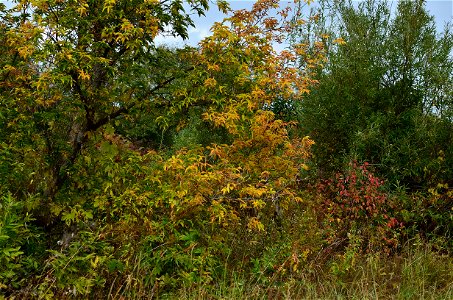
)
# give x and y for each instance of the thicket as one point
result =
(228, 170)
(384, 98)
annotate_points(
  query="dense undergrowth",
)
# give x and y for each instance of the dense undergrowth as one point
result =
(304, 253)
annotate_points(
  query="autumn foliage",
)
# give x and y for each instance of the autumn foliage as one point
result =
(356, 203)
(69, 87)
(130, 170)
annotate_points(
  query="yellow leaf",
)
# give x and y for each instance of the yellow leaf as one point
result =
(255, 224)
(210, 82)
(108, 5)
(94, 263)
(82, 9)
(198, 199)
(258, 203)
(191, 168)
(229, 187)
(83, 75)
(298, 199)
(339, 41)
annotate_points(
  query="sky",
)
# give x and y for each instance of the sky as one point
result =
(442, 10)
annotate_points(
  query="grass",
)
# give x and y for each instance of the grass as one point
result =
(417, 273)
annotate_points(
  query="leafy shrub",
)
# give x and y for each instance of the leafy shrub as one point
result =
(16, 240)
(355, 207)
(78, 268)
(429, 215)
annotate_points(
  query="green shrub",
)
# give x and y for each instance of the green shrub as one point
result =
(428, 215)
(18, 242)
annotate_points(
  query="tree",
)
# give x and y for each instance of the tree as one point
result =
(79, 75)
(385, 94)
(80, 58)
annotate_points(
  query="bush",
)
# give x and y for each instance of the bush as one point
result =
(429, 215)
(357, 210)
(18, 242)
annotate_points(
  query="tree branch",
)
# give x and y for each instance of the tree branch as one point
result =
(126, 109)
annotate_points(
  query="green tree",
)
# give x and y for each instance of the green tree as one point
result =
(385, 93)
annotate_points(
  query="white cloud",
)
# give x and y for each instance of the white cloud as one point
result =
(168, 40)
(200, 32)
